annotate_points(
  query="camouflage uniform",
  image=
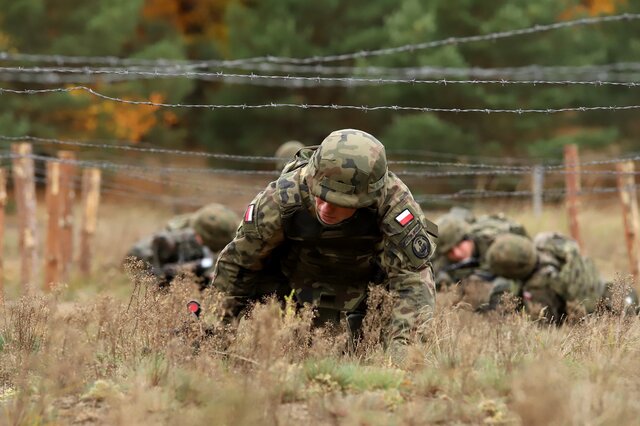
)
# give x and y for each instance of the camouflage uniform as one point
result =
(550, 272)
(482, 231)
(283, 245)
(178, 247)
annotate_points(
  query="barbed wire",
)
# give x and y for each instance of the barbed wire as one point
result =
(548, 193)
(300, 81)
(60, 59)
(602, 71)
(200, 186)
(128, 146)
(596, 72)
(321, 106)
(484, 169)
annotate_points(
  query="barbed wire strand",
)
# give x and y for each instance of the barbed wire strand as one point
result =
(60, 59)
(502, 171)
(321, 106)
(298, 81)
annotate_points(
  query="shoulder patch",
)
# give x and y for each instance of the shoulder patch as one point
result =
(404, 226)
(404, 218)
(249, 213)
(421, 246)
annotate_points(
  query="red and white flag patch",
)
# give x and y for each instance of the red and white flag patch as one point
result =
(405, 217)
(248, 215)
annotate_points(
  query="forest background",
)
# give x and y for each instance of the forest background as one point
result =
(233, 29)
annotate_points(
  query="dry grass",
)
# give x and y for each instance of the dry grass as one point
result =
(113, 350)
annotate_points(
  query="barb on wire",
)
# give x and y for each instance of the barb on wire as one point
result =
(292, 81)
(322, 106)
(485, 169)
(122, 166)
(112, 61)
(549, 193)
(117, 145)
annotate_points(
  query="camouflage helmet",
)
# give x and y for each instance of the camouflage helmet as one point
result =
(286, 151)
(349, 169)
(215, 224)
(512, 256)
(451, 230)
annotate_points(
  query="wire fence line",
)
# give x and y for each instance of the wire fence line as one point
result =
(290, 81)
(128, 146)
(204, 189)
(364, 108)
(113, 61)
(484, 169)
(591, 72)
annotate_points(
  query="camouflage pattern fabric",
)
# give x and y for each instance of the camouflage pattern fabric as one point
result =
(512, 256)
(180, 251)
(560, 276)
(569, 274)
(387, 242)
(354, 180)
(215, 224)
(483, 232)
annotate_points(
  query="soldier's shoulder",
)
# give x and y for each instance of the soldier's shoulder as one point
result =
(288, 189)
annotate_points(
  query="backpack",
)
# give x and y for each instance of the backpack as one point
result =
(577, 277)
(299, 160)
(487, 228)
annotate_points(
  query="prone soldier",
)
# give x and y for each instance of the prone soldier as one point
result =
(548, 275)
(188, 243)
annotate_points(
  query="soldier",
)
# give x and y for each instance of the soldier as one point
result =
(330, 228)
(286, 152)
(188, 243)
(548, 274)
(463, 244)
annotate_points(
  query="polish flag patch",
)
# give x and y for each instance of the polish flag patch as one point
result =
(405, 217)
(248, 215)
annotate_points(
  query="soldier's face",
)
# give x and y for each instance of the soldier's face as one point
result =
(332, 214)
(461, 251)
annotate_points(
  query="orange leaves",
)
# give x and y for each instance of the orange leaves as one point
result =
(133, 122)
(594, 8)
(124, 121)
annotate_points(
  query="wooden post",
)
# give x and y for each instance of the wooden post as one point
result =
(3, 203)
(572, 182)
(52, 253)
(629, 200)
(67, 195)
(25, 193)
(537, 183)
(90, 203)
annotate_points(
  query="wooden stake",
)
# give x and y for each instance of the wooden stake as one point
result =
(90, 203)
(3, 203)
(52, 252)
(67, 196)
(25, 193)
(572, 182)
(629, 200)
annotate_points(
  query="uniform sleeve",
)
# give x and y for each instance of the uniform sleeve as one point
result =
(408, 246)
(240, 262)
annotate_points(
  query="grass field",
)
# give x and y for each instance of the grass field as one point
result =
(110, 350)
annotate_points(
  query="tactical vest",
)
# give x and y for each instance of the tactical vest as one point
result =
(330, 266)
